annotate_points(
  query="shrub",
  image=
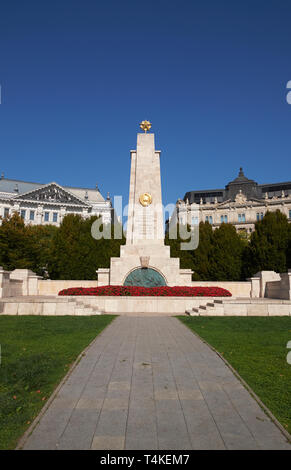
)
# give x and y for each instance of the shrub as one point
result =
(163, 291)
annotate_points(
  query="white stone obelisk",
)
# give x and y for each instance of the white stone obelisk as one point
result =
(145, 246)
(145, 223)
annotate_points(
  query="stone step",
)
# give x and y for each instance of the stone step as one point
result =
(206, 310)
(192, 313)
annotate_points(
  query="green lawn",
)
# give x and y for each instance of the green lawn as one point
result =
(37, 352)
(256, 348)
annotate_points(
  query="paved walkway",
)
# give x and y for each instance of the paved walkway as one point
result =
(149, 383)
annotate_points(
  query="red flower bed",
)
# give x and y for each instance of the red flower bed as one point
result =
(177, 291)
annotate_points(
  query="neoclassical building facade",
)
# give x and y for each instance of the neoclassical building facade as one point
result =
(48, 203)
(241, 203)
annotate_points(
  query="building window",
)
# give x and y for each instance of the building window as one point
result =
(46, 216)
(223, 219)
(55, 217)
(260, 216)
(6, 212)
(289, 214)
(31, 215)
(241, 217)
(22, 213)
(209, 219)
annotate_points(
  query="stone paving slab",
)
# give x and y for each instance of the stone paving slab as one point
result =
(150, 383)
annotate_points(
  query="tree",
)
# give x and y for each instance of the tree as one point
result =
(16, 247)
(186, 256)
(75, 254)
(268, 247)
(226, 254)
(202, 255)
(41, 237)
(288, 256)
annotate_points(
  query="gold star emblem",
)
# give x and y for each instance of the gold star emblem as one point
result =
(145, 125)
(145, 199)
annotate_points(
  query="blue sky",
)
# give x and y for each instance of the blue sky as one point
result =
(77, 77)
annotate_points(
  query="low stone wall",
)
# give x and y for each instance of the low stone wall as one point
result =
(127, 304)
(279, 289)
(18, 282)
(49, 287)
(265, 309)
(36, 305)
(194, 306)
(66, 305)
(15, 288)
(237, 289)
(271, 285)
(257, 308)
(243, 307)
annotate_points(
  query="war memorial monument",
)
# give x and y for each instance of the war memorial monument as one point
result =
(145, 259)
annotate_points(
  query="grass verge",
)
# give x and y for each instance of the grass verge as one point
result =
(36, 353)
(256, 349)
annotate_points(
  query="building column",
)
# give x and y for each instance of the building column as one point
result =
(39, 213)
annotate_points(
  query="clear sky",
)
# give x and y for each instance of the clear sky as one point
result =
(77, 77)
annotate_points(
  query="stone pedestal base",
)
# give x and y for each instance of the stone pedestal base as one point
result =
(155, 257)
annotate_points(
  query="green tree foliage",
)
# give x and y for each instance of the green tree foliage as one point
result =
(70, 251)
(226, 254)
(15, 245)
(65, 252)
(186, 256)
(75, 254)
(218, 256)
(269, 247)
(288, 261)
(25, 247)
(41, 237)
(202, 255)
